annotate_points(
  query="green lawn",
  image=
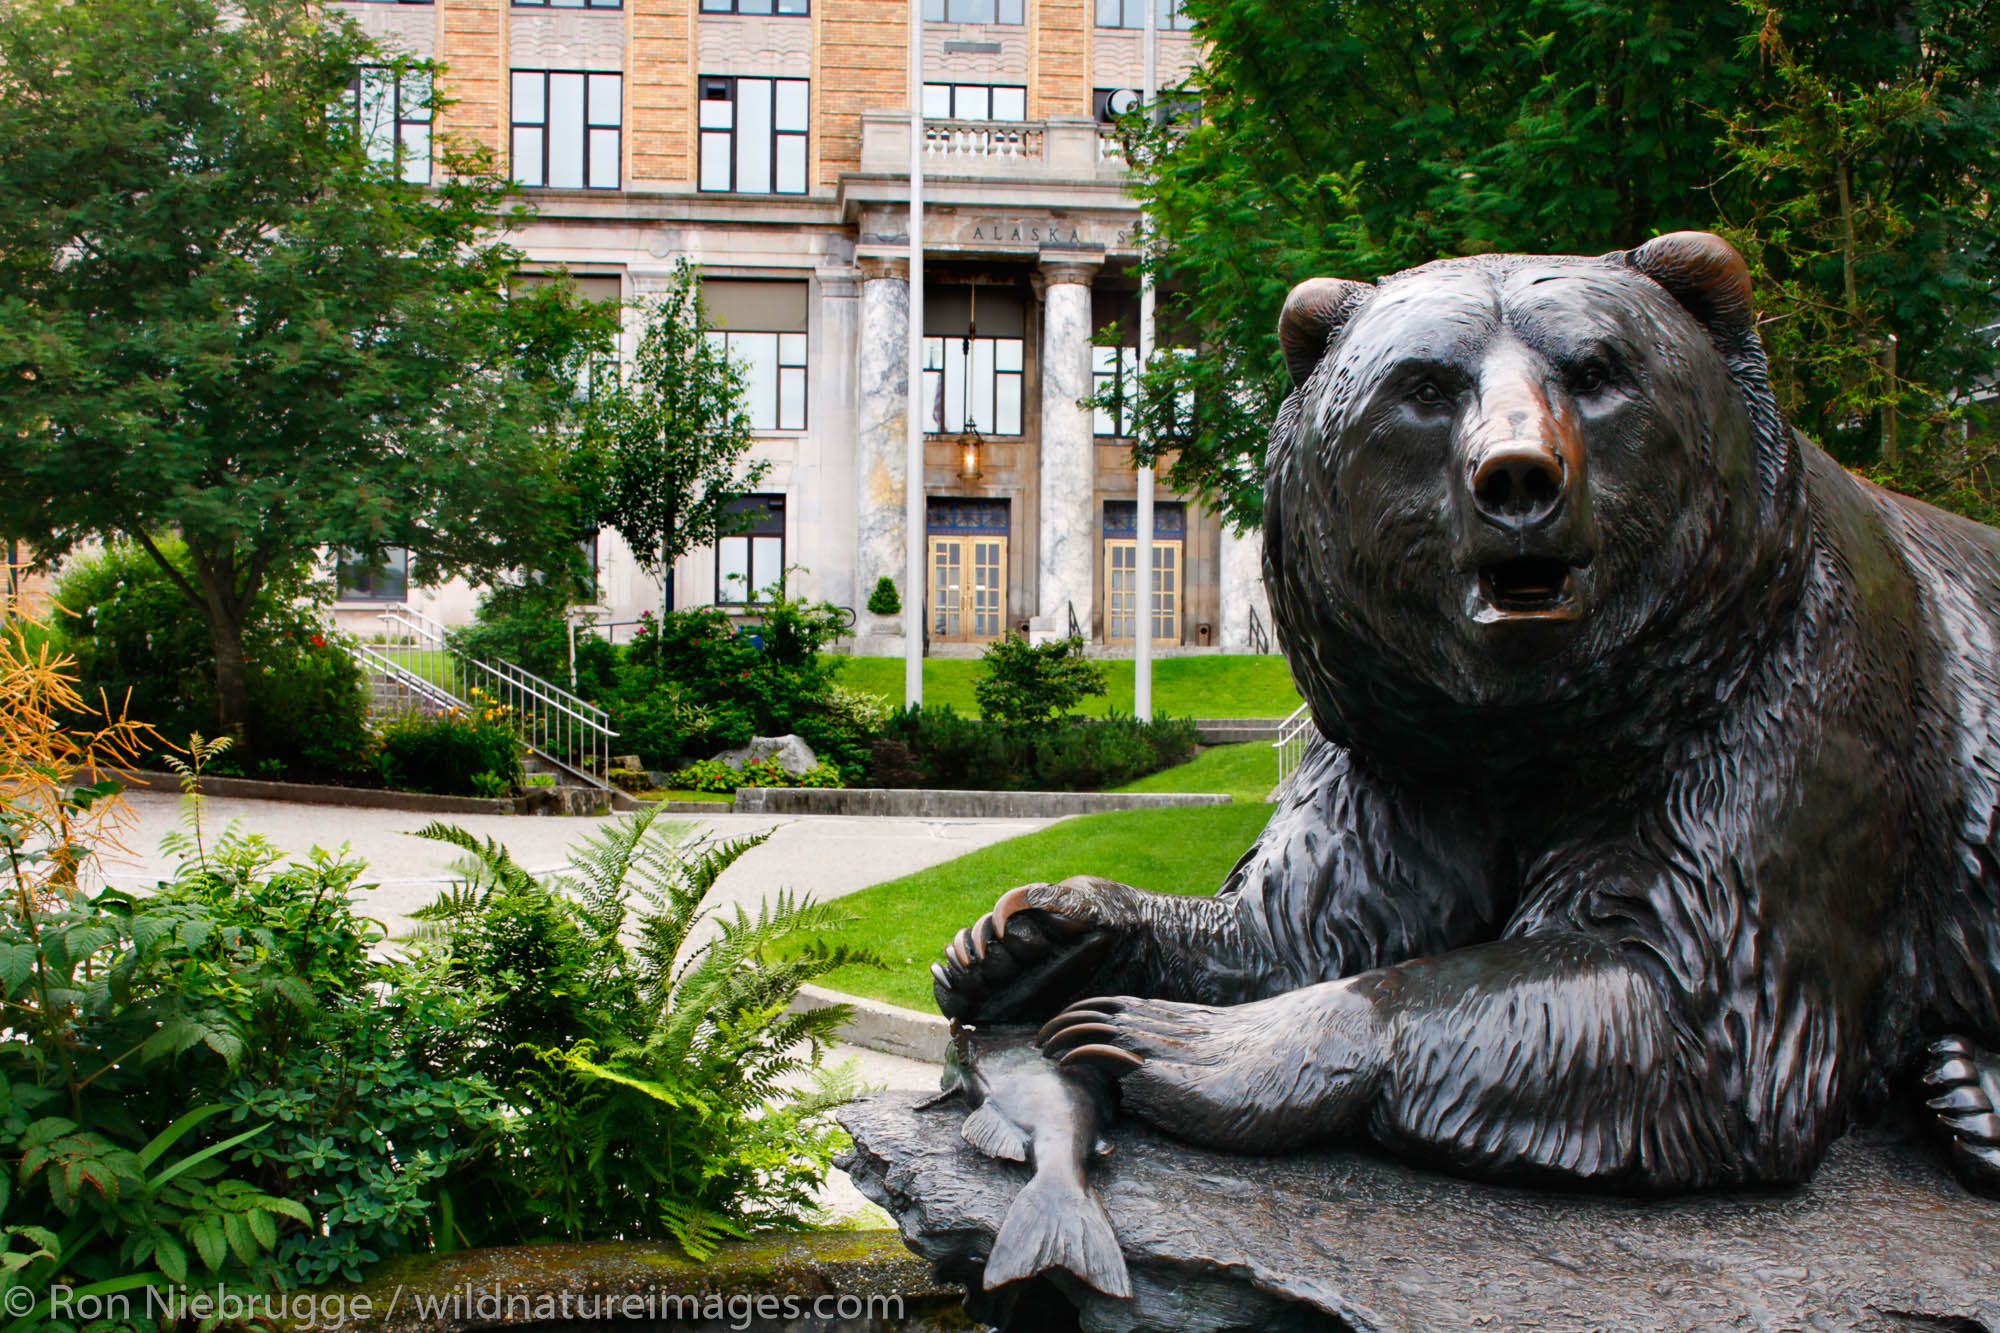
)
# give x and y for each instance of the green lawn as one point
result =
(1245, 772)
(1214, 685)
(907, 922)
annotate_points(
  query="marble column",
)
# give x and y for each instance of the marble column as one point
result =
(1242, 588)
(881, 442)
(1068, 538)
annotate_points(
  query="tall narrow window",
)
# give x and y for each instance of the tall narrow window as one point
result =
(753, 135)
(974, 101)
(750, 563)
(972, 11)
(393, 117)
(566, 128)
(1132, 14)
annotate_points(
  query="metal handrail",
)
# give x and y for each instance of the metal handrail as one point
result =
(559, 727)
(1291, 745)
(1260, 638)
(1075, 630)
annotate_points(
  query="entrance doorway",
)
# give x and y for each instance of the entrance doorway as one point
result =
(968, 570)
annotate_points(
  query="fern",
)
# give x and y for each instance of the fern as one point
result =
(662, 1084)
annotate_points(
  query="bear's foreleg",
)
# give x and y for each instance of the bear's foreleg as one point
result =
(1551, 1058)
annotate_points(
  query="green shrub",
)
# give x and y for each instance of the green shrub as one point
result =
(722, 776)
(939, 747)
(452, 753)
(1025, 684)
(694, 683)
(134, 634)
(884, 600)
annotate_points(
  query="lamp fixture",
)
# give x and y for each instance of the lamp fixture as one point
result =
(969, 447)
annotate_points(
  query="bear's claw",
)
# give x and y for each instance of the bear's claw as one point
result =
(1966, 1080)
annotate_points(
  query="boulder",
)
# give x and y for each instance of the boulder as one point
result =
(1881, 1238)
(791, 752)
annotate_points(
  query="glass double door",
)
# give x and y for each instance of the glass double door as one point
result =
(968, 588)
(1121, 591)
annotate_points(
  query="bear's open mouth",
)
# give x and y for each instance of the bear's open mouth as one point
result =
(1528, 584)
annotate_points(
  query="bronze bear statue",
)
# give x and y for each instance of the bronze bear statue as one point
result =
(1652, 833)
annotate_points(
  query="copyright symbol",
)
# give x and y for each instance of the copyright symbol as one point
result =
(18, 1301)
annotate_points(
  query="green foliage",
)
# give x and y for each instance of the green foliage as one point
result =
(884, 600)
(937, 747)
(133, 639)
(289, 347)
(1027, 684)
(671, 436)
(647, 1080)
(721, 775)
(694, 683)
(1360, 140)
(451, 753)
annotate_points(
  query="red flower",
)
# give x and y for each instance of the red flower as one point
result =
(319, 640)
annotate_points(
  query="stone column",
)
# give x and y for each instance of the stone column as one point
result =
(1068, 537)
(881, 441)
(1243, 588)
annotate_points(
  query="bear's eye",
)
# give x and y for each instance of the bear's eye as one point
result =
(1591, 377)
(1428, 394)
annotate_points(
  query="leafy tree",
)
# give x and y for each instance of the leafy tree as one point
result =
(1360, 139)
(221, 318)
(671, 436)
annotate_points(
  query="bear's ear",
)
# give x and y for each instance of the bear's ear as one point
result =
(1705, 274)
(1313, 313)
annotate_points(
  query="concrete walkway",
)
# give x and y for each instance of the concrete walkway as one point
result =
(825, 856)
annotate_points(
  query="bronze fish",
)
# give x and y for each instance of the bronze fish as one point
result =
(1024, 1109)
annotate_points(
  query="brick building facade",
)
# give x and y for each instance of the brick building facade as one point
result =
(767, 142)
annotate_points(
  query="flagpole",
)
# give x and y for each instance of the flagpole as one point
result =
(1142, 655)
(916, 599)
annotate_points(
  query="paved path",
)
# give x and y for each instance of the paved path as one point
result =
(822, 855)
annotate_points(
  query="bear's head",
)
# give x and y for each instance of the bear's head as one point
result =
(1528, 493)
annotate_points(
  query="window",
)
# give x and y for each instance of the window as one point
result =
(750, 564)
(602, 371)
(568, 4)
(1132, 14)
(973, 383)
(774, 376)
(754, 7)
(1113, 387)
(358, 579)
(392, 114)
(972, 11)
(974, 101)
(753, 135)
(566, 128)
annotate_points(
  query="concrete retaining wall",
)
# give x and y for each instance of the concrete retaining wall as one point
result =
(877, 1025)
(931, 803)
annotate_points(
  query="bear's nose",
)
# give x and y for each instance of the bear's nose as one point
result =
(1517, 486)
